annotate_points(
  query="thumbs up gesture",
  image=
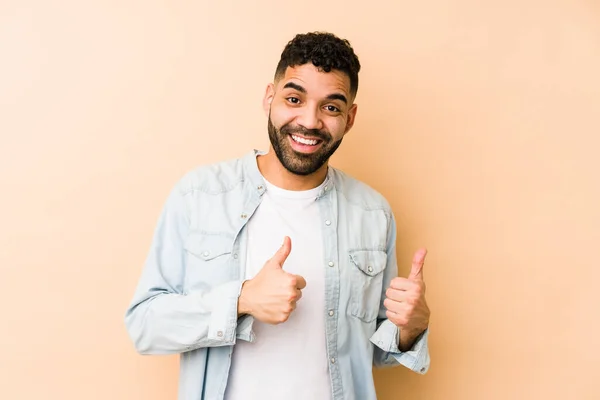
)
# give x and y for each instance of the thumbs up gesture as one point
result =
(405, 302)
(272, 294)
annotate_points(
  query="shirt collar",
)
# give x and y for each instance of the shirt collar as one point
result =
(258, 183)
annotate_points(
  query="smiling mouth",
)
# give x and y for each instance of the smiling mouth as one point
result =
(305, 141)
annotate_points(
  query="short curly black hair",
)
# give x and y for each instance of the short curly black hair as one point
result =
(325, 50)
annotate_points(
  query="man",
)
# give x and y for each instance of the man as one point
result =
(274, 276)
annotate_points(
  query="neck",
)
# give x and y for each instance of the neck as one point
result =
(271, 168)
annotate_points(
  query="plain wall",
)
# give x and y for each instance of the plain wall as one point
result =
(479, 121)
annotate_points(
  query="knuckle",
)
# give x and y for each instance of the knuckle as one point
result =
(283, 317)
(420, 288)
(412, 300)
(386, 303)
(401, 319)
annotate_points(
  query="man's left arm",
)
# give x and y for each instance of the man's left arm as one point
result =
(403, 323)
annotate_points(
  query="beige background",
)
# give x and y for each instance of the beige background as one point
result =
(478, 120)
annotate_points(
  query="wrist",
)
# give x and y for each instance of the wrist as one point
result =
(407, 337)
(243, 303)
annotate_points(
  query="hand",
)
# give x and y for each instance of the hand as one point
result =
(272, 294)
(405, 302)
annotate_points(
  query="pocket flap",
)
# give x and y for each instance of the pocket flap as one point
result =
(208, 246)
(371, 262)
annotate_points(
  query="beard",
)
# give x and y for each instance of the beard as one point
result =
(300, 163)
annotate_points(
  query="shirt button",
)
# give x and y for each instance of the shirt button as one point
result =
(332, 360)
(331, 313)
(243, 216)
(220, 334)
(260, 187)
(205, 254)
(331, 264)
(370, 269)
(423, 369)
(325, 187)
(327, 222)
(235, 256)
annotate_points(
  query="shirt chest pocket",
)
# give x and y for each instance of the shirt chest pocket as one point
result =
(366, 282)
(208, 260)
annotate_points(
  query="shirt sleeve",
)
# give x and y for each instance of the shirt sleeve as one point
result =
(162, 318)
(386, 337)
(387, 354)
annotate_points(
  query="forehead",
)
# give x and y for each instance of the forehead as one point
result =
(315, 81)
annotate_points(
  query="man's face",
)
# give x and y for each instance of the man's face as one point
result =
(309, 113)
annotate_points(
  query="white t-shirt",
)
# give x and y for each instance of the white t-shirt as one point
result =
(288, 360)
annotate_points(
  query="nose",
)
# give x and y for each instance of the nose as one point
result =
(310, 118)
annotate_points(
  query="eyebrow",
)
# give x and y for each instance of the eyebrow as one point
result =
(333, 96)
(338, 96)
(295, 86)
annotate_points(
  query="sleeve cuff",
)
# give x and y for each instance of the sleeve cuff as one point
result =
(244, 328)
(222, 327)
(416, 359)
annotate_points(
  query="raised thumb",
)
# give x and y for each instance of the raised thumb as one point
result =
(282, 254)
(416, 271)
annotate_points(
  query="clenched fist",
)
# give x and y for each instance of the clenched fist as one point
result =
(272, 294)
(406, 305)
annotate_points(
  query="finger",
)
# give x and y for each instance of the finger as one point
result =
(400, 283)
(397, 295)
(396, 319)
(407, 298)
(300, 282)
(298, 294)
(282, 254)
(416, 271)
(394, 306)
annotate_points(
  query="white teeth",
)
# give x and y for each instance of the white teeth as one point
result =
(310, 142)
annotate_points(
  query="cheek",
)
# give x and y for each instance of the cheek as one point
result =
(336, 129)
(281, 116)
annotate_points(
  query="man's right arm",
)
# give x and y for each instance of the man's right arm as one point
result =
(161, 318)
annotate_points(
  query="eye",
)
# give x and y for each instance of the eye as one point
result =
(293, 100)
(332, 109)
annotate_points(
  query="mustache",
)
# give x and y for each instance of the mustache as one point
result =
(307, 133)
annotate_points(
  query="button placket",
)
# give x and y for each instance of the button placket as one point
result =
(328, 208)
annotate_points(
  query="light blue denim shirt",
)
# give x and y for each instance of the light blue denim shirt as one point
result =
(186, 299)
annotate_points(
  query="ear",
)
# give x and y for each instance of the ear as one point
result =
(351, 117)
(269, 95)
